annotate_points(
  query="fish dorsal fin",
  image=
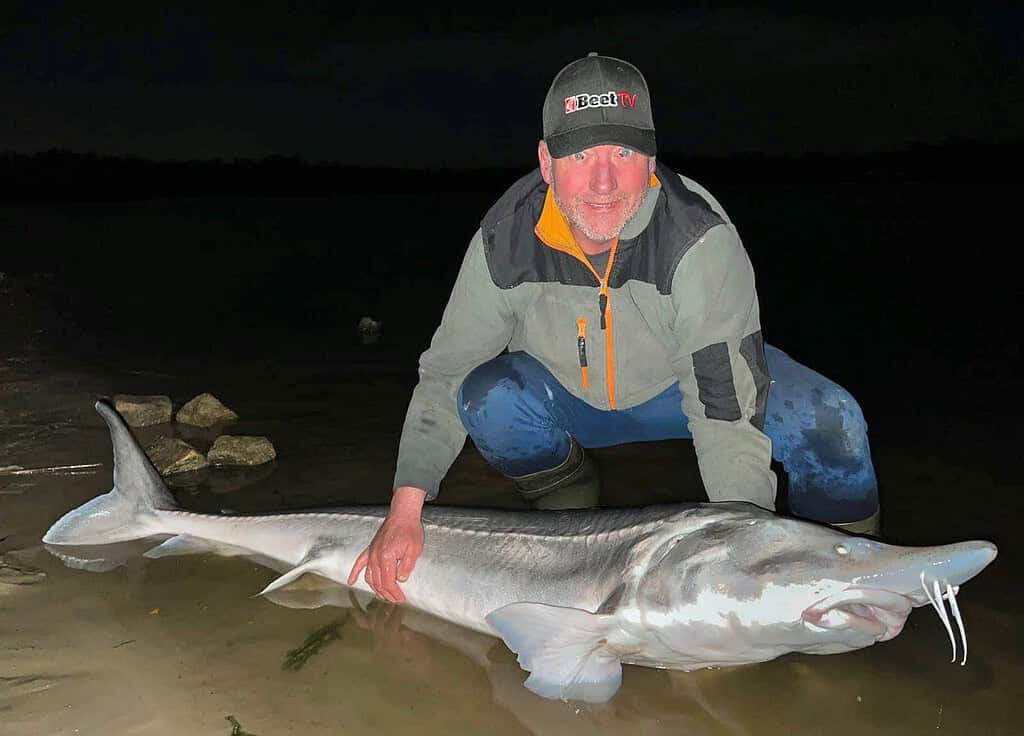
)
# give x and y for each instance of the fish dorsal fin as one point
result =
(565, 650)
(322, 559)
(315, 591)
(314, 565)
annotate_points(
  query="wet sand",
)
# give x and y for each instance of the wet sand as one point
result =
(178, 645)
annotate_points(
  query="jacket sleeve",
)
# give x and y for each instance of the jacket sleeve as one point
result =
(476, 325)
(722, 370)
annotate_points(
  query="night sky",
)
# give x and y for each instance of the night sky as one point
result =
(432, 88)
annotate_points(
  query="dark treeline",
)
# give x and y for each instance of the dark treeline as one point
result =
(66, 176)
(861, 261)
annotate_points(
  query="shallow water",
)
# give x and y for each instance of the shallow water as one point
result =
(178, 645)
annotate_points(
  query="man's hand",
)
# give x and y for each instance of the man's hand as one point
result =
(395, 548)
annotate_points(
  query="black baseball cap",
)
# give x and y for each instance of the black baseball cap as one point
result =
(598, 100)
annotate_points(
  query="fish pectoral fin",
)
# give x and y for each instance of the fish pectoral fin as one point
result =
(565, 650)
(186, 544)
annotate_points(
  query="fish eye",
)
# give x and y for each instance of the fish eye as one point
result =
(578, 156)
(841, 549)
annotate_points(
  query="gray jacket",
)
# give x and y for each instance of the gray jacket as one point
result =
(681, 305)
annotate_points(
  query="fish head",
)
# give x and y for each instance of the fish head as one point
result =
(749, 585)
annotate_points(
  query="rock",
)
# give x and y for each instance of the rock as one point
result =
(199, 437)
(190, 480)
(15, 572)
(205, 410)
(171, 455)
(143, 411)
(240, 450)
(369, 330)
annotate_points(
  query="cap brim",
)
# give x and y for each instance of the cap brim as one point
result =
(574, 141)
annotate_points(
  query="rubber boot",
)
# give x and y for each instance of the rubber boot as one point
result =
(575, 484)
(869, 527)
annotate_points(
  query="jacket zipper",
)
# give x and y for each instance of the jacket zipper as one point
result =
(605, 308)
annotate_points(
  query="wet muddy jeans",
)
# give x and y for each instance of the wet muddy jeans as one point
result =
(520, 418)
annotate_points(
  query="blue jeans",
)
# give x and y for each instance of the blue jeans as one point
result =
(520, 418)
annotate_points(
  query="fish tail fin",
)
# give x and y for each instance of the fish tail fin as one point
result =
(127, 510)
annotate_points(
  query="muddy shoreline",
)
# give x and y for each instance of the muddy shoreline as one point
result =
(173, 646)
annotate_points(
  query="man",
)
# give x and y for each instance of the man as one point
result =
(616, 286)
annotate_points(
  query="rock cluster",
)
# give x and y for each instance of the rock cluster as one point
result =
(172, 455)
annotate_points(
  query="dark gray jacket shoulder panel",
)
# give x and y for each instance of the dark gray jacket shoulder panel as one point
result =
(515, 255)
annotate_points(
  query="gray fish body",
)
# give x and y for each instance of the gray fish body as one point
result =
(577, 593)
(473, 560)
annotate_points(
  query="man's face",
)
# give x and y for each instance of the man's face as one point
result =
(597, 189)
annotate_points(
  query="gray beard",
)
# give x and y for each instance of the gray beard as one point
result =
(570, 216)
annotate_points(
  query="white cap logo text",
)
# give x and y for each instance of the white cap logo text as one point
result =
(604, 99)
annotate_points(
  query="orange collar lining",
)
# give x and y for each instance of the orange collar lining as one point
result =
(553, 230)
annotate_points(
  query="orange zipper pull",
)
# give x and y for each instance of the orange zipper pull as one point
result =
(581, 348)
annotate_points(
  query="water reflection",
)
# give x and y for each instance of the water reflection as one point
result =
(901, 681)
(794, 690)
(424, 646)
(219, 480)
(102, 557)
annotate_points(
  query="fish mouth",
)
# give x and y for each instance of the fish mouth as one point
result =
(880, 614)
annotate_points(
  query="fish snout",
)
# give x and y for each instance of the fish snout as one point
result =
(963, 562)
(879, 602)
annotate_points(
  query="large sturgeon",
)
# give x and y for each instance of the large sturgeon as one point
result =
(577, 593)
